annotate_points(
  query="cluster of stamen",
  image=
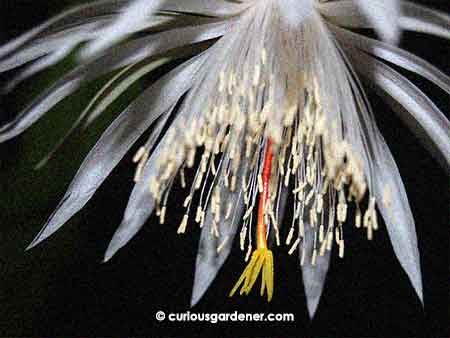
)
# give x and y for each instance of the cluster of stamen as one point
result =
(311, 158)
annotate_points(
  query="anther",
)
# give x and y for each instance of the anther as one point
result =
(294, 246)
(183, 225)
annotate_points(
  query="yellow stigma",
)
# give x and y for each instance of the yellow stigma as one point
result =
(262, 259)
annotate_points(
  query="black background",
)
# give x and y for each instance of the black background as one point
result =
(61, 287)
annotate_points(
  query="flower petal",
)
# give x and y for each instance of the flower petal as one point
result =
(138, 12)
(141, 202)
(313, 276)
(418, 106)
(397, 216)
(425, 20)
(209, 260)
(382, 15)
(123, 55)
(395, 55)
(68, 18)
(117, 140)
(412, 17)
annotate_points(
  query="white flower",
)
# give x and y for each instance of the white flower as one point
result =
(271, 99)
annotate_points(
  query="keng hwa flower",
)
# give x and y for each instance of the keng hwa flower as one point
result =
(268, 109)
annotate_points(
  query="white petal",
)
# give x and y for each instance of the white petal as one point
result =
(141, 202)
(395, 55)
(382, 15)
(116, 141)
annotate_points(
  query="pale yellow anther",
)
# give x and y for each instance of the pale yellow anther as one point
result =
(215, 229)
(341, 249)
(198, 181)
(358, 217)
(329, 240)
(314, 257)
(286, 177)
(289, 236)
(309, 197)
(183, 225)
(260, 184)
(242, 236)
(222, 245)
(198, 214)
(182, 179)
(303, 256)
(301, 228)
(137, 157)
(228, 210)
(294, 246)
(187, 200)
(162, 215)
(233, 183)
(319, 203)
(312, 217)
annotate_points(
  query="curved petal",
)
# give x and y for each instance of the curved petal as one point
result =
(313, 276)
(141, 202)
(395, 55)
(67, 18)
(48, 44)
(117, 140)
(419, 107)
(412, 17)
(425, 20)
(209, 260)
(397, 215)
(138, 12)
(104, 97)
(386, 181)
(123, 55)
(382, 15)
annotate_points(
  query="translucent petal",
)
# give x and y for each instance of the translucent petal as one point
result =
(117, 140)
(123, 55)
(398, 56)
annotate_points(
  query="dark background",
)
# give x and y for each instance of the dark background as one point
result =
(61, 287)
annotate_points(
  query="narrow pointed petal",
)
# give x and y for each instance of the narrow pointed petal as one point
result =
(141, 202)
(420, 108)
(134, 16)
(387, 182)
(209, 260)
(70, 17)
(117, 140)
(395, 55)
(128, 22)
(425, 20)
(123, 55)
(313, 276)
(382, 15)
(104, 98)
(41, 64)
(397, 216)
(412, 17)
